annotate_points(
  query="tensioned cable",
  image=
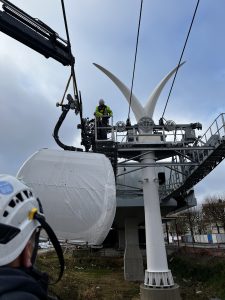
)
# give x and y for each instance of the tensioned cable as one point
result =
(66, 26)
(67, 85)
(175, 75)
(135, 57)
(72, 58)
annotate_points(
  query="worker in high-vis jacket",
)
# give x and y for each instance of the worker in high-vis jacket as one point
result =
(102, 114)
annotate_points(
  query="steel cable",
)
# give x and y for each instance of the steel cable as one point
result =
(135, 57)
(175, 75)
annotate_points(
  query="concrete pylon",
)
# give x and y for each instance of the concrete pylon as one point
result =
(160, 294)
(133, 262)
(158, 282)
(121, 237)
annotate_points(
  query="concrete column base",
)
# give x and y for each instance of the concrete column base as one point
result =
(121, 236)
(148, 293)
(133, 262)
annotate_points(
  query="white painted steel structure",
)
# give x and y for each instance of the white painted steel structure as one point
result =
(157, 273)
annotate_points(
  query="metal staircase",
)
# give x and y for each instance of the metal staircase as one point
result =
(206, 159)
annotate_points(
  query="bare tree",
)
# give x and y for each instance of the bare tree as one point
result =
(178, 226)
(200, 222)
(193, 220)
(181, 225)
(214, 211)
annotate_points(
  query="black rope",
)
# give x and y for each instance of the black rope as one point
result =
(175, 75)
(135, 57)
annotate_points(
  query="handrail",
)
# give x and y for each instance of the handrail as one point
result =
(218, 130)
(97, 128)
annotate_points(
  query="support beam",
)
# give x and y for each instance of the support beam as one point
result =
(121, 236)
(133, 262)
(158, 283)
(157, 273)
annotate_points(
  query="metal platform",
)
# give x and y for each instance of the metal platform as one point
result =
(187, 159)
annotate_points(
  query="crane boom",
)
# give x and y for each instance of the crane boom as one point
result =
(34, 33)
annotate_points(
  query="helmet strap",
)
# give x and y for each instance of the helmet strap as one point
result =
(54, 240)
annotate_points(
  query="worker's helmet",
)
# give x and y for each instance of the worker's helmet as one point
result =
(17, 208)
(21, 214)
(101, 102)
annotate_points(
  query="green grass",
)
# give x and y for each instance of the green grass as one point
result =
(90, 278)
(200, 277)
(87, 277)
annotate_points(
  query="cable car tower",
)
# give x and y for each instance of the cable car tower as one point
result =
(144, 146)
(147, 146)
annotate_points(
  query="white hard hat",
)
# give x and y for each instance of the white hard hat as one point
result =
(101, 101)
(17, 208)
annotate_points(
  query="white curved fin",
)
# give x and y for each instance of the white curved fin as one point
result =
(136, 107)
(138, 110)
(152, 100)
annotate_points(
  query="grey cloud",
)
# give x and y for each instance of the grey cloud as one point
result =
(105, 32)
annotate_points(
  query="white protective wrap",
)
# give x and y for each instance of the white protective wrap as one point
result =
(77, 191)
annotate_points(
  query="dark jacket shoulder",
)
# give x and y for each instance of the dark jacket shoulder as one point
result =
(20, 284)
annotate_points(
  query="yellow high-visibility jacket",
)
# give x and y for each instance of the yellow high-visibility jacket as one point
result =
(103, 110)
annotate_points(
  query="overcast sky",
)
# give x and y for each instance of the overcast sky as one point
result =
(104, 32)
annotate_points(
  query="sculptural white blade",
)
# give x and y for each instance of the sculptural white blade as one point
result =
(154, 96)
(135, 104)
(138, 110)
